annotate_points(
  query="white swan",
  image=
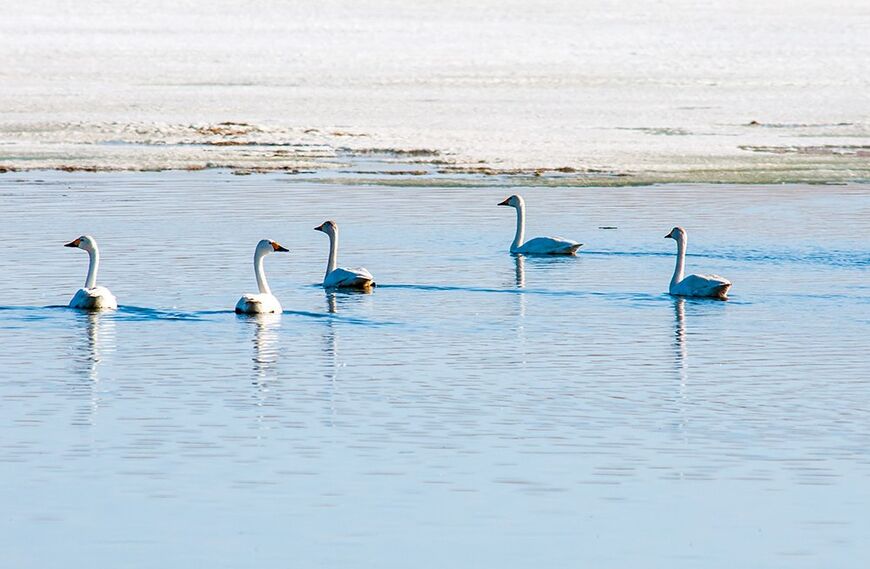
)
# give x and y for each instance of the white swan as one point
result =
(538, 245)
(712, 286)
(340, 277)
(91, 297)
(264, 302)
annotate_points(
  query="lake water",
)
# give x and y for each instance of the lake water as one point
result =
(476, 410)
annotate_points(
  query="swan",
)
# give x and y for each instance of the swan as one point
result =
(264, 302)
(712, 286)
(91, 297)
(538, 245)
(340, 277)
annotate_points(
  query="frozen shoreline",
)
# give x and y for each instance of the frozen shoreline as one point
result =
(247, 148)
(673, 93)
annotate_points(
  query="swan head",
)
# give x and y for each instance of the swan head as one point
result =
(266, 246)
(677, 233)
(85, 242)
(513, 201)
(328, 227)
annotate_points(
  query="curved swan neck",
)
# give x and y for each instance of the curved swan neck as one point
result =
(93, 266)
(681, 259)
(333, 252)
(521, 226)
(260, 273)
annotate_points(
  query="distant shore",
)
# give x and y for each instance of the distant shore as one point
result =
(579, 93)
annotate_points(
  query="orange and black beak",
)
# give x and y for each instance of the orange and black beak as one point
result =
(73, 243)
(280, 248)
(505, 202)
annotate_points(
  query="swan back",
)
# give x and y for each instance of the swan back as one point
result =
(95, 298)
(258, 304)
(548, 246)
(711, 286)
(357, 278)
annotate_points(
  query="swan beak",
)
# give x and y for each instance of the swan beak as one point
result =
(73, 243)
(505, 202)
(280, 248)
(319, 227)
(669, 236)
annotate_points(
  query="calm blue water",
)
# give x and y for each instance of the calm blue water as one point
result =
(474, 411)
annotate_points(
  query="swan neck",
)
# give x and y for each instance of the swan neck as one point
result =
(521, 226)
(260, 273)
(93, 266)
(681, 260)
(333, 252)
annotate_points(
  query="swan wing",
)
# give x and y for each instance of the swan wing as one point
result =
(349, 278)
(96, 298)
(548, 246)
(258, 304)
(702, 285)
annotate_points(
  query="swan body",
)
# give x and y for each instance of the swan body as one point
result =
(340, 277)
(537, 245)
(91, 296)
(709, 286)
(264, 302)
(349, 278)
(95, 298)
(258, 304)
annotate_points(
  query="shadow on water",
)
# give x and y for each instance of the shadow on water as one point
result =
(833, 258)
(12, 314)
(633, 296)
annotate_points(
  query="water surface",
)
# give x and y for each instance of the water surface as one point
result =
(476, 410)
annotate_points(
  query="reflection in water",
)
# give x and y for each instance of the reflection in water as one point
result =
(520, 274)
(265, 356)
(98, 341)
(265, 347)
(330, 343)
(330, 348)
(520, 270)
(335, 303)
(681, 361)
(681, 357)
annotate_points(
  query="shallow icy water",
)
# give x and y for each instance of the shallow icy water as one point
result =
(475, 410)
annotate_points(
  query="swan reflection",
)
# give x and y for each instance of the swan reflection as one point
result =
(330, 350)
(521, 300)
(336, 302)
(681, 356)
(99, 340)
(265, 356)
(88, 356)
(520, 272)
